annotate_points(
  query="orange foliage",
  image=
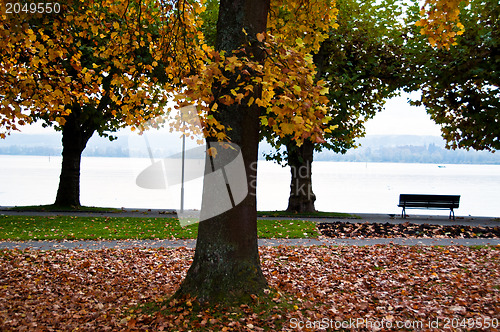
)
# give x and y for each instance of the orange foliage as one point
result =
(440, 22)
(135, 56)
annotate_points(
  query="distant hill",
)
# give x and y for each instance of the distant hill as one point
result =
(376, 148)
(409, 149)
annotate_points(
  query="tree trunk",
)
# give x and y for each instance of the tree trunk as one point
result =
(300, 161)
(226, 264)
(74, 140)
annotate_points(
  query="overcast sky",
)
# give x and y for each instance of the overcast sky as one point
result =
(399, 118)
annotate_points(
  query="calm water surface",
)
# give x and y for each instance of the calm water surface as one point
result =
(341, 187)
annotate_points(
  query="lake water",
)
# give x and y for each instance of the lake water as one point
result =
(340, 187)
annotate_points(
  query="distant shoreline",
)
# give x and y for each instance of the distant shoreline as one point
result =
(376, 148)
(317, 158)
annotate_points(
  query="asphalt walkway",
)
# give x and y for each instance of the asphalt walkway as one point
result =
(362, 218)
(128, 244)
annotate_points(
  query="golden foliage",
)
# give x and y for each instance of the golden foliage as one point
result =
(302, 23)
(294, 102)
(94, 55)
(128, 58)
(440, 22)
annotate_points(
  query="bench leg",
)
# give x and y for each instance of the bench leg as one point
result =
(452, 212)
(403, 214)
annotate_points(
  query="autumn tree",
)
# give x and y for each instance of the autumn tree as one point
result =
(238, 88)
(247, 79)
(91, 67)
(461, 84)
(363, 63)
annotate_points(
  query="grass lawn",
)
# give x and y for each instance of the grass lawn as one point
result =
(21, 228)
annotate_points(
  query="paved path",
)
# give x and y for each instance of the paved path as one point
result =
(372, 218)
(126, 244)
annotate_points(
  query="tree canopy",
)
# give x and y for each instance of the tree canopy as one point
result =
(461, 84)
(110, 56)
(362, 63)
(105, 58)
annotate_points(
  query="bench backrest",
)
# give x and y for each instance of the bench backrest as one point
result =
(445, 201)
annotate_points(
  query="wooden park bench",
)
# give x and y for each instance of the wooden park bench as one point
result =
(407, 201)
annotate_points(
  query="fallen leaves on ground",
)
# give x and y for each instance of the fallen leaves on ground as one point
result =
(345, 230)
(99, 289)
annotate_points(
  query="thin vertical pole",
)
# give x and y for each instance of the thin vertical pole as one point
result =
(150, 153)
(182, 171)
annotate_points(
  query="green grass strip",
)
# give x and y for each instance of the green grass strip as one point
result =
(22, 228)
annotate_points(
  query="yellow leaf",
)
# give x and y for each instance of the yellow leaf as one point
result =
(261, 37)
(116, 25)
(287, 128)
(60, 120)
(212, 152)
(250, 101)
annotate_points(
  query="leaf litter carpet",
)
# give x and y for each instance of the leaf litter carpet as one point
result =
(99, 290)
(346, 230)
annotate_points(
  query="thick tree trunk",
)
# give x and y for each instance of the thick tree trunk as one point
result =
(300, 161)
(74, 140)
(226, 265)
